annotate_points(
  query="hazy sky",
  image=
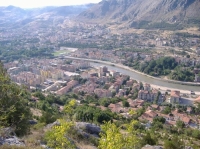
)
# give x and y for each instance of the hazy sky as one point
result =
(41, 3)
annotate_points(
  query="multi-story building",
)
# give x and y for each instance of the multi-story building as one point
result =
(150, 96)
(175, 97)
(102, 93)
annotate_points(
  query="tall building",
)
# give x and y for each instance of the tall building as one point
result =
(102, 70)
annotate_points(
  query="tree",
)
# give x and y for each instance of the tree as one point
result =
(112, 138)
(39, 95)
(58, 136)
(167, 110)
(180, 124)
(125, 103)
(147, 139)
(188, 56)
(14, 111)
(173, 143)
(48, 118)
(159, 119)
(196, 134)
(70, 107)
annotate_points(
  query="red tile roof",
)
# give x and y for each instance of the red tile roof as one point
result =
(175, 93)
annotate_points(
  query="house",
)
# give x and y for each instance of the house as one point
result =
(196, 70)
(115, 87)
(147, 87)
(155, 107)
(182, 117)
(148, 115)
(103, 93)
(149, 96)
(186, 120)
(118, 108)
(121, 93)
(114, 73)
(67, 88)
(129, 83)
(136, 86)
(175, 97)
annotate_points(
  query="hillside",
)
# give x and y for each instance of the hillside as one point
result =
(12, 16)
(144, 12)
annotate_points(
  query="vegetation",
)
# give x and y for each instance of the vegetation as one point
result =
(57, 137)
(117, 131)
(92, 114)
(10, 54)
(113, 138)
(165, 66)
(14, 111)
(161, 66)
(182, 74)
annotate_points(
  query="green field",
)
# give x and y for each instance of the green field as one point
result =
(61, 52)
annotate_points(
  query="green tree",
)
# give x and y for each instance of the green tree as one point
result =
(39, 95)
(58, 136)
(70, 107)
(196, 134)
(125, 103)
(167, 110)
(112, 138)
(173, 143)
(147, 139)
(159, 119)
(14, 111)
(180, 124)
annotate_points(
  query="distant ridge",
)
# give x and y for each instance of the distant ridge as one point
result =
(17, 17)
(142, 12)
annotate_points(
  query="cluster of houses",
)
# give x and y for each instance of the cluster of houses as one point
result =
(105, 55)
(42, 72)
(103, 83)
(154, 111)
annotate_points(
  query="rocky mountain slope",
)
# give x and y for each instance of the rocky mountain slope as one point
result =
(134, 11)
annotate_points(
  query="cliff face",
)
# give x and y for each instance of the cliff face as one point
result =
(170, 11)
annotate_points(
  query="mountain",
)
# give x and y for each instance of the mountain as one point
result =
(144, 12)
(12, 16)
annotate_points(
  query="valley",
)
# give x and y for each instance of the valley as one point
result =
(118, 74)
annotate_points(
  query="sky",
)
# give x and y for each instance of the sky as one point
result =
(42, 3)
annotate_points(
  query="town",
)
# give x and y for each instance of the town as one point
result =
(61, 76)
(117, 74)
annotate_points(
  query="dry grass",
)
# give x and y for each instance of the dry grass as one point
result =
(11, 147)
(36, 112)
(82, 145)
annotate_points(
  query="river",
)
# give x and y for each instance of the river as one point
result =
(142, 77)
